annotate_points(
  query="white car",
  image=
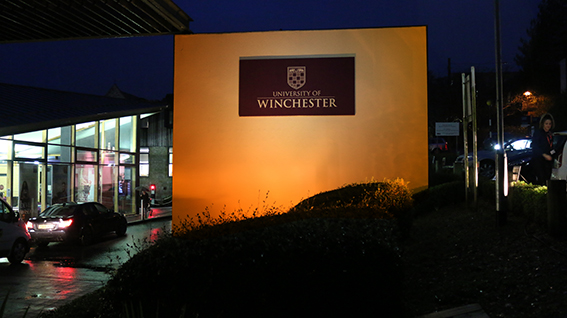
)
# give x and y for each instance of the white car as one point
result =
(14, 236)
(559, 171)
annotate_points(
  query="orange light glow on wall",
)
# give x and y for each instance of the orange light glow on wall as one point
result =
(226, 160)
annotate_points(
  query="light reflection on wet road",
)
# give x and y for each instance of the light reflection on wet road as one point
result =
(52, 276)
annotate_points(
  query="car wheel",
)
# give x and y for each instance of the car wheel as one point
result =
(86, 237)
(487, 169)
(121, 230)
(18, 252)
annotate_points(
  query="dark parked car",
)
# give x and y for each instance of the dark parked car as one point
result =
(75, 222)
(518, 151)
(437, 144)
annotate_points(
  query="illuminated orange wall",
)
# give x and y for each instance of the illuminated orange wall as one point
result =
(221, 159)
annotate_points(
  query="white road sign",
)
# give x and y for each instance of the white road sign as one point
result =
(446, 129)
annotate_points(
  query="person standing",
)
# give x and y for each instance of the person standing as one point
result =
(542, 149)
(145, 203)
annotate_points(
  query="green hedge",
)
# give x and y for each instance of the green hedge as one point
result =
(530, 201)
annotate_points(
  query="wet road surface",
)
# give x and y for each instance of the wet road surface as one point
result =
(61, 272)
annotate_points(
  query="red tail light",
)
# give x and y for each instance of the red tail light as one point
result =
(65, 223)
(29, 225)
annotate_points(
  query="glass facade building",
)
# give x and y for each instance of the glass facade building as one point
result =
(90, 161)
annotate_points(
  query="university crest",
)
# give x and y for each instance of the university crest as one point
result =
(296, 76)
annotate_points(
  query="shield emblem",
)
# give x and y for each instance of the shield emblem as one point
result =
(296, 76)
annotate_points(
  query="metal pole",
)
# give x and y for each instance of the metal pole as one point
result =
(474, 136)
(465, 137)
(501, 213)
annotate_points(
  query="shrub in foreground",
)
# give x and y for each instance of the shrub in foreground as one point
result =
(382, 200)
(529, 200)
(333, 255)
(314, 267)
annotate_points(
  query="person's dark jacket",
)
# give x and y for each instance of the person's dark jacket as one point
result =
(145, 199)
(540, 143)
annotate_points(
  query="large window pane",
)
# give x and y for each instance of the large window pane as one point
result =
(108, 186)
(107, 157)
(58, 184)
(128, 134)
(108, 134)
(60, 135)
(5, 149)
(144, 162)
(28, 151)
(26, 194)
(34, 136)
(170, 161)
(58, 153)
(85, 183)
(86, 135)
(127, 158)
(87, 155)
(126, 198)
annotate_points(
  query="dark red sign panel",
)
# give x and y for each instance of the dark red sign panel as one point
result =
(296, 86)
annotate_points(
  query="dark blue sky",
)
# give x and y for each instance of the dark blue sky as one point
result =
(462, 30)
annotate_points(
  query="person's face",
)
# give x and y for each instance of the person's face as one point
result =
(547, 125)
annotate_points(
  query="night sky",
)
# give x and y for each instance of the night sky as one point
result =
(462, 30)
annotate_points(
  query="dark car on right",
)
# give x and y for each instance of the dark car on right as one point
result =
(74, 222)
(518, 151)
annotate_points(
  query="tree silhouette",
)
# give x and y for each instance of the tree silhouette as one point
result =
(546, 46)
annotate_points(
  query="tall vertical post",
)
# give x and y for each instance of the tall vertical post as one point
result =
(501, 213)
(474, 135)
(465, 136)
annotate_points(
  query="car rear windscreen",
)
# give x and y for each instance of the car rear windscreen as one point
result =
(58, 211)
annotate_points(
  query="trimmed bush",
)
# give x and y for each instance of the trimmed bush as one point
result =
(383, 200)
(388, 196)
(529, 200)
